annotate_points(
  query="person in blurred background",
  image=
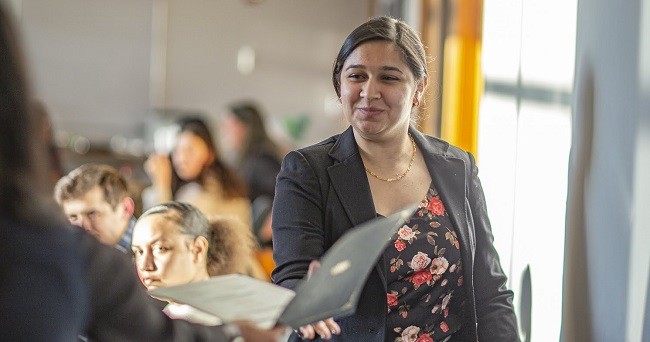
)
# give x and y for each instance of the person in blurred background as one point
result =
(95, 197)
(257, 158)
(59, 283)
(257, 155)
(195, 174)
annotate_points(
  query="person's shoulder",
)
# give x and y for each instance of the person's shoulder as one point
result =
(443, 147)
(316, 153)
(322, 147)
(53, 233)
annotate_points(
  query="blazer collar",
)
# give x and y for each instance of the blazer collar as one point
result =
(349, 179)
(449, 178)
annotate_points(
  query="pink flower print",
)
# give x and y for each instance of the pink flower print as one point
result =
(406, 233)
(438, 266)
(419, 261)
(444, 327)
(410, 334)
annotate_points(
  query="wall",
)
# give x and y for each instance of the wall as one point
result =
(295, 43)
(89, 62)
(102, 67)
(607, 256)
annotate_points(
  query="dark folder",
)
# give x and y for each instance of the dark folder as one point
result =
(332, 291)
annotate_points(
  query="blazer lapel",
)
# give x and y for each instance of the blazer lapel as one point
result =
(349, 179)
(448, 174)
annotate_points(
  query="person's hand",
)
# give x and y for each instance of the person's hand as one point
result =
(159, 169)
(250, 332)
(325, 328)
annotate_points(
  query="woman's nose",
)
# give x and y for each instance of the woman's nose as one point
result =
(145, 262)
(370, 90)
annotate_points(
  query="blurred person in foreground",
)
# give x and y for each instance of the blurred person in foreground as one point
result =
(440, 278)
(175, 244)
(57, 282)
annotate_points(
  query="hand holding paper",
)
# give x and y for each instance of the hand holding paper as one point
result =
(324, 328)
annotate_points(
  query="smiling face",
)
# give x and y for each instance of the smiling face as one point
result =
(378, 90)
(164, 256)
(190, 156)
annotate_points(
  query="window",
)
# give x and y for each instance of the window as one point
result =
(524, 142)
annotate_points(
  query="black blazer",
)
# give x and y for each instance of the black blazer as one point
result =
(322, 191)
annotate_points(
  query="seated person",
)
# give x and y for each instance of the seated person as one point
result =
(194, 173)
(95, 197)
(174, 244)
(257, 159)
(57, 283)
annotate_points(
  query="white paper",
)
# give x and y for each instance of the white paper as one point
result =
(232, 297)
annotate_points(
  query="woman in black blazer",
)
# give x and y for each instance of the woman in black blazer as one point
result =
(440, 278)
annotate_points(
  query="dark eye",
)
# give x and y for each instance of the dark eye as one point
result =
(356, 76)
(390, 78)
(160, 249)
(137, 251)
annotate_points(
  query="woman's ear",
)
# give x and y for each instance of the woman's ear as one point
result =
(419, 90)
(200, 249)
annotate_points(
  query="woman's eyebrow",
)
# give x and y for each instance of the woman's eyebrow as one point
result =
(384, 68)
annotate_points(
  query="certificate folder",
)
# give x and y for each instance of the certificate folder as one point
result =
(332, 291)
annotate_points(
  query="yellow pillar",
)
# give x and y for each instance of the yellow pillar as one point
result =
(462, 78)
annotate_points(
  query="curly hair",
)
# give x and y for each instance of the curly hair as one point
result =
(231, 246)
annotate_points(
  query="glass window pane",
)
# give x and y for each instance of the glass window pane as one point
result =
(496, 161)
(501, 40)
(548, 43)
(543, 145)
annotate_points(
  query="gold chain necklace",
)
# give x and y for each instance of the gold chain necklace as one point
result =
(401, 175)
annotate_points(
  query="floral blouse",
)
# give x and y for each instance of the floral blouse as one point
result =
(424, 276)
